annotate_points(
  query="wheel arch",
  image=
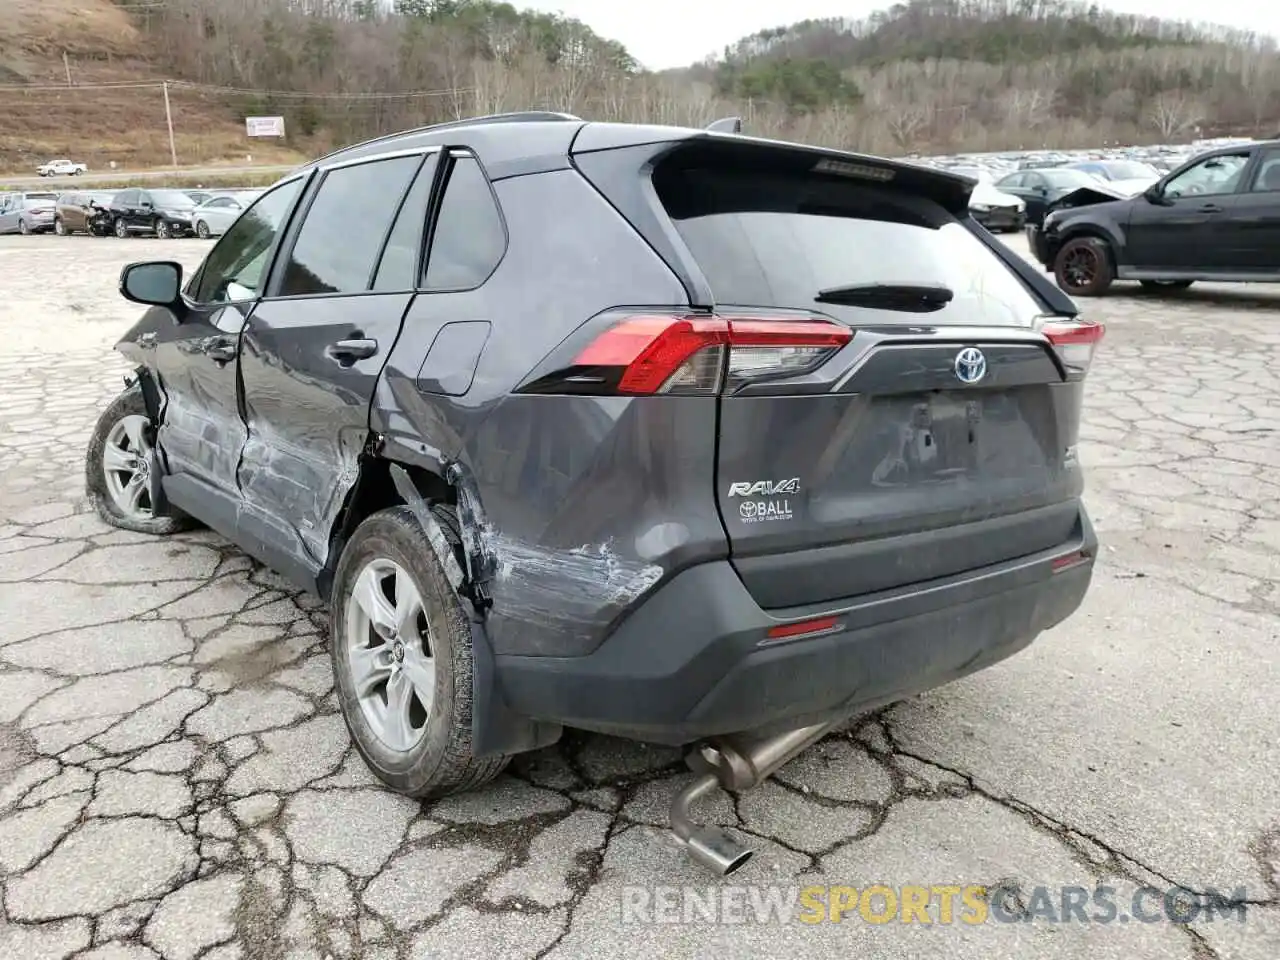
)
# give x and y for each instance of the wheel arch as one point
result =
(381, 483)
(1097, 231)
(375, 489)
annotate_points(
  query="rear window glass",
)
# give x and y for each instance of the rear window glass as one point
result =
(766, 240)
(41, 196)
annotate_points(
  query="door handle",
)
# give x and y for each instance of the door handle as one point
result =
(1210, 208)
(220, 350)
(347, 352)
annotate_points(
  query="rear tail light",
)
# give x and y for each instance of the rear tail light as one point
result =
(1074, 341)
(672, 354)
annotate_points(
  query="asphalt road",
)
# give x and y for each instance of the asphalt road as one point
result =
(194, 174)
(175, 782)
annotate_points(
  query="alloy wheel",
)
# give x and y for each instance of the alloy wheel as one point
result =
(1080, 267)
(122, 230)
(127, 466)
(389, 654)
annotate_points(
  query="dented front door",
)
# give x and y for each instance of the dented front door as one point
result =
(194, 351)
(200, 431)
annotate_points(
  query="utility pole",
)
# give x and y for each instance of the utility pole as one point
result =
(168, 119)
(66, 65)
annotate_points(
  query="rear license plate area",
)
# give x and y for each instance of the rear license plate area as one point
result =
(937, 439)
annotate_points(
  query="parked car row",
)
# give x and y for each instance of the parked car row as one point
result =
(162, 213)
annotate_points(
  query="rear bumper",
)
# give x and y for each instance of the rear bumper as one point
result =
(689, 663)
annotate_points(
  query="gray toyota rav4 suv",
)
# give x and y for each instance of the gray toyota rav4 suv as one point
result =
(674, 434)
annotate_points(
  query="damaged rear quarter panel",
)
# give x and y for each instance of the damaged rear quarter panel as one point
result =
(586, 504)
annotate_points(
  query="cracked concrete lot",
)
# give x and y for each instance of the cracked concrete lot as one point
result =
(176, 781)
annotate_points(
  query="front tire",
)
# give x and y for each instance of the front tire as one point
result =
(162, 230)
(59, 227)
(117, 469)
(1083, 267)
(24, 228)
(121, 229)
(202, 230)
(401, 649)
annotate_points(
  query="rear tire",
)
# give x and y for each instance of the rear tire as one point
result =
(123, 430)
(427, 753)
(24, 228)
(1083, 267)
(1169, 285)
(59, 227)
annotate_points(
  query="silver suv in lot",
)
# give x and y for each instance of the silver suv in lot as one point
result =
(27, 213)
(671, 434)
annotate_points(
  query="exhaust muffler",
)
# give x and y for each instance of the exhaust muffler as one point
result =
(735, 763)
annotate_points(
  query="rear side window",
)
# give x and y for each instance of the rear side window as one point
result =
(777, 240)
(469, 238)
(399, 266)
(342, 234)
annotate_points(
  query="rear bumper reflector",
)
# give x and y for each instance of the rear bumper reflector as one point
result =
(1067, 561)
(802, 628)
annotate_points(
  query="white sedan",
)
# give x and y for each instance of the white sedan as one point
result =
(215, 215)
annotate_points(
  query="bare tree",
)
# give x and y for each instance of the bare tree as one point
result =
(1173, 114)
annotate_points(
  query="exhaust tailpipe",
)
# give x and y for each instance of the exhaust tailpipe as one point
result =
(734, 764)
(712, 847)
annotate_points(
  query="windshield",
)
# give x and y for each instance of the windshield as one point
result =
(171, 198)
(1128, 170)
(775, 241)
(1068, 179)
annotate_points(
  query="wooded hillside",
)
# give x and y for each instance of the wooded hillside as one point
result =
(928, 75)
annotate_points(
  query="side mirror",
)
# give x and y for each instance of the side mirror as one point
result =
(1154, 193)
(154, 284)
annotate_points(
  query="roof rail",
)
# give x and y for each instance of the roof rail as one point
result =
(726, 125)
(523, 116)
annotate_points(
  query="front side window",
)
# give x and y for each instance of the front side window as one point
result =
(234, 268)
(469, 237)
(1211, 176)
(342, 234)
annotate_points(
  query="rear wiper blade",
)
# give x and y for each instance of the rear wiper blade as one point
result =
(904, 297)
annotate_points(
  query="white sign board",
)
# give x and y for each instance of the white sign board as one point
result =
(264, 126)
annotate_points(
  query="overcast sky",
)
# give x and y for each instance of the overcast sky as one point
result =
(675, 33)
